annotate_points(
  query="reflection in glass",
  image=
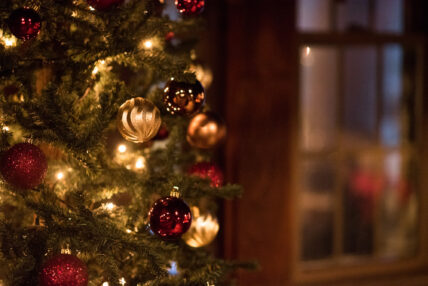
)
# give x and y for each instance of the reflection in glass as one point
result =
(318, 97)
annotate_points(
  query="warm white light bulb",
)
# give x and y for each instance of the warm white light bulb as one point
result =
(140, 164)
(6, 128)
(105, 284)
(122, 148)
(122, 281)
(109, 206)
(148, 44)
(60, 175)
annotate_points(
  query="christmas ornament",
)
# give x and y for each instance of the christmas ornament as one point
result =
(183, 98)
(64, 270)
(208, 170)
(24, 166)
(170, 217)
(104, 4)
(162, 134)
(138, 120)
(206, 130)
(190, 7)
(203, 230)
(25, 23)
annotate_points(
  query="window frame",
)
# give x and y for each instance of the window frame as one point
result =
(330, 271)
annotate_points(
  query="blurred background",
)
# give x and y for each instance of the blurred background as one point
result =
(325, 110)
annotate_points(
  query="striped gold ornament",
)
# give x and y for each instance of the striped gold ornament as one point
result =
(138, 120)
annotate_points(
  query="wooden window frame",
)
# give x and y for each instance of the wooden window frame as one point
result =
(310, 273)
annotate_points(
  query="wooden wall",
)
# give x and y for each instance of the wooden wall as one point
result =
(260, 107)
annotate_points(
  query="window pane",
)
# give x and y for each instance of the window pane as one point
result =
(389, 16)
(318, 97)
(399, 208)
(360, 94)
(352, 15)
(317, 209)
(392, 95)
(313, 15)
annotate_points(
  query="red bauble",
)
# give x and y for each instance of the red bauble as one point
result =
(25, 23)
(64, 270)
(170, 218)
(208, 170)
(104, 4)
(24, 166)
(190, 7)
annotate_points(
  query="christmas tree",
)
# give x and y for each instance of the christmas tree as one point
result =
(107, 171)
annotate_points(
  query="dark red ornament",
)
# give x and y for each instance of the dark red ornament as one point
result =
(190, 7)
(208, 170)
(183, 98)
(25, 23)
(64, 270)
(104, 4)
(170, 218)
(24, 166)
(163, 133)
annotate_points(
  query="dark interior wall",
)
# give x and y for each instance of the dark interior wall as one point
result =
(260, 107)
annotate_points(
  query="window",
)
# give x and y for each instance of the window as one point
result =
(358, 184)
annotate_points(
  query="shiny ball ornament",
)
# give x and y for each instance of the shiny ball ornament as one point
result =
(203, 231)
(102, 5)
(190, 7)
(183, 98)
(25, 23)
(170, 218)
(138, 120)
(206, 130)
(24, 166)
(208, 170)
(63, 270)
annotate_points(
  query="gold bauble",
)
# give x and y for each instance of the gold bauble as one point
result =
(138, 120)
(203, 230)
(206, 130)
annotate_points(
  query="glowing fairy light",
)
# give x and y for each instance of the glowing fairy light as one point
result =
(91, 8)
(122, 148)
(128, 231)
(173, 270)
(140, 163)
(95, 71)
(109, 206)
(122, 281)
(6, 128)
(148, 44)
(59, 175)
(105, 284)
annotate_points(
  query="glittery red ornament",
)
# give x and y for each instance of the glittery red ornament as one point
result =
(64, 270)
(25, 23)
(183, 98)
(104, 4)
(170, 217)
(24, 166)
(190, 7)
(208, 170)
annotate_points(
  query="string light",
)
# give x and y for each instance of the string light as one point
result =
(109, 206)
(105, 284)
(141, 163)
(148, 44)
(122, 281)
(60, 175)
(122, 148)
(6, 128)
